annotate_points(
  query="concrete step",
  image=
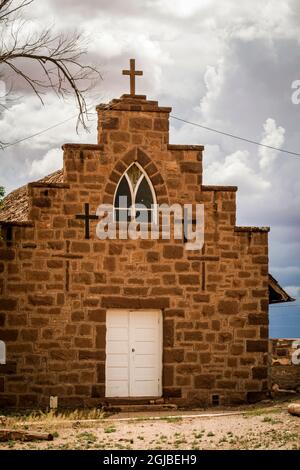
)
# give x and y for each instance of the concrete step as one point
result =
(126, 408)
(135, 401)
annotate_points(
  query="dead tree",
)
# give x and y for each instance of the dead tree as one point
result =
(60, 58)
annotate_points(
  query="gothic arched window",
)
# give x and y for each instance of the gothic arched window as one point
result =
(135, 196)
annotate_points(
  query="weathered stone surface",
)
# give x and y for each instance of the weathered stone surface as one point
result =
(172, 252)
(7, 254)
(193, 336)
(56, 285)
(206, 381)
(152, 257)
(172, 392)
(111, 123)
(140, 123)
(168, 376)
(161, 124)
(189, 279)
(173, 355)
(174, 312)
(41, 299)
(98, 391)
(8, 334)
(97, 315)
(260, 372)
(137, 303)
(191, 167)
(80, 247)
(8, 304)
(228, 307)
(88, 355)
(168, 333)
(255, 319)
(257, 346)
(284, 372)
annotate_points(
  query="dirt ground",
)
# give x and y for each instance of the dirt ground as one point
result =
(260, 427)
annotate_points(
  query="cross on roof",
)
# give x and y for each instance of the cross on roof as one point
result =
(132, 73)
(87, 217)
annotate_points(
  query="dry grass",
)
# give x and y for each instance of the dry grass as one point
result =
(260, 428)
(52, 417)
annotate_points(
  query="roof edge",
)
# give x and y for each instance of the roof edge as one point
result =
(218, 188)
(185, 147)
(17, 223)
(278, 291)
(252, 229)
(83, 146)
(38, 184)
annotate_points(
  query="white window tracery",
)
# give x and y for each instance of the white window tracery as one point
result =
(135, 196)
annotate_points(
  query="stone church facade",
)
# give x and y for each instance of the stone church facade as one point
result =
(65, 294)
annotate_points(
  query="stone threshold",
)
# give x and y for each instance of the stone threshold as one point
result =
(118, 408)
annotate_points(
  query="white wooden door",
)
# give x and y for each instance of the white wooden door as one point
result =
(133, 353)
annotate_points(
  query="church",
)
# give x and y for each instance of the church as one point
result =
(94, 320)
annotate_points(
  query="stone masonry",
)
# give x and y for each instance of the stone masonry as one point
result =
(56, 285)
(285, 363)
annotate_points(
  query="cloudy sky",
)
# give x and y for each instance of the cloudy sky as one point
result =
(225, 64)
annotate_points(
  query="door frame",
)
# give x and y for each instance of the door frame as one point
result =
(159, 354)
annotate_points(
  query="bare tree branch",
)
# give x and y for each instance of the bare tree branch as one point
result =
(5, 5)
(60, 58)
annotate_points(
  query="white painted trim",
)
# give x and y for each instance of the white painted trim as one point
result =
(2, 352)
(160, 344)
(133, 192)
(159, 353)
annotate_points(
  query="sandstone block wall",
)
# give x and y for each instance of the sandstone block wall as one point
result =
(56, 286)
(285, 366)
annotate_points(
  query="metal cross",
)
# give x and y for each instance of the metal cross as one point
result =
(132, 73)
(87, 217)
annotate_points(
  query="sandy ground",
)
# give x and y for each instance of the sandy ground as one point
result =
(268, 427)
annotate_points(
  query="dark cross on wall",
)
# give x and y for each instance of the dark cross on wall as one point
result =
(87, 217)
(132, 73)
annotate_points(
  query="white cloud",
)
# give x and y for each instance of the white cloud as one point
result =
(105, 43)
(273, 136)
(27, 117)
(236, 170)
(50, 162)
(2, 91)
(181, 8)
(214, 80)
(293, 291)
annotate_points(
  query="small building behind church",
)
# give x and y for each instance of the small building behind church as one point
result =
(91, 320)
